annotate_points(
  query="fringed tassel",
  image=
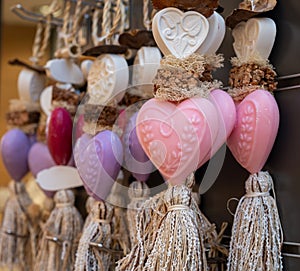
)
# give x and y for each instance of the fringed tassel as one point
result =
(120, 236)
(60, 235)
(179, 243)
(256, 232)
(216, 253)
(18, 234)
(94, 247)
(88, 206)
(147, 223)
(138, 193)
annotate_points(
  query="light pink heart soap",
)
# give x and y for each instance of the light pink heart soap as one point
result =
(176, 138)
(255, 131)
(227, 117)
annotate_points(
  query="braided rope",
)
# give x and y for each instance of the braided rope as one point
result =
(147, 20)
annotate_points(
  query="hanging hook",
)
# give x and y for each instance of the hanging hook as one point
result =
(30, 16)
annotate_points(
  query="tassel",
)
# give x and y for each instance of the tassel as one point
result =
(120, 236)
(88, 206)
(256, 233)
(19, 230)
(94, 246)
(60, 235)
(138, 193)
(170, 233)
(147, 223)
(179, 242)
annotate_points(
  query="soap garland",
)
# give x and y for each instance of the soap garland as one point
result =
(20, 228)
(256, 233)
(104, 238)
(148, 252)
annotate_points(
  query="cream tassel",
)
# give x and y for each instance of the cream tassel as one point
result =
(138, 193)
(256, 233)
(170, 233)
(179, 243)
(93, 252)
(147, 220)
(88, 206)
(19, 230)
(120, 236)
(60, 235)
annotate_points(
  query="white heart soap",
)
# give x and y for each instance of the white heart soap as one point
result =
(30, 85)
(179, 33)
(254, 37)
(145, 66)
(64, 71)
(215, 35)
(107, 79)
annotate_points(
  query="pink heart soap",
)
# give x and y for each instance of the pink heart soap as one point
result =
(255, 131)
(176, 138)
(227, 117)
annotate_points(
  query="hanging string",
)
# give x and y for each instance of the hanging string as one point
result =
(96, 18)
(118, 25)
(106, 21)
(36, 44)
(79, 12)
(66, 21)
(40, 44)
(147, 20)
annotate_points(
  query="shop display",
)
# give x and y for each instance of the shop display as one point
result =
(114, 104)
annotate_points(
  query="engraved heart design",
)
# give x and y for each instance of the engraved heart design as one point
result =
(255, 131)
(107, 79)
(177, 138)
(178, 33)
(254, 37)
(98, 160)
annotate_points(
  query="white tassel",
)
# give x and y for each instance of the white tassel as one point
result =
(256, 233)
(138, 192)
(89, 257)
(179, 243)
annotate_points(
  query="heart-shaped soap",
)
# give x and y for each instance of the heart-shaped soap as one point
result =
(39, 158)
(215, 35)
(59, 139)
(135, 159)
(14, 148)
(254, 37)
(255, 130)
(30, 85)
(227, 118)
(98, 161)
(176, 138)
(64, 71)
(107, 79)
(145, 66)
(179, 33)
